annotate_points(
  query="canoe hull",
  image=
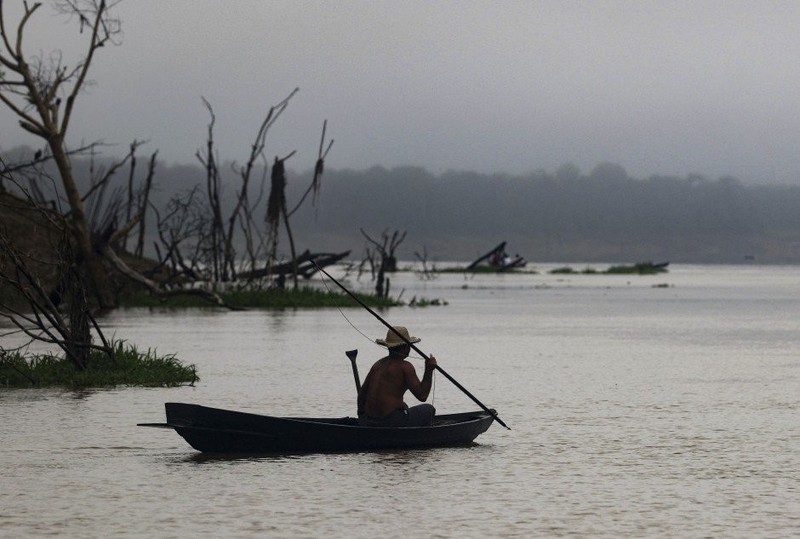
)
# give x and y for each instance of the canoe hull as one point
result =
(214, 430)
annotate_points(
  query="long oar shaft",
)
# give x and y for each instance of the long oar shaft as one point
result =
(417, 350)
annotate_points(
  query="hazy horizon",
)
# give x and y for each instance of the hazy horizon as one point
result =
(658, 88)
(605, 216)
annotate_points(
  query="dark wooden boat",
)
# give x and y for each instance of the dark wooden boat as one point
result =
(214, 430)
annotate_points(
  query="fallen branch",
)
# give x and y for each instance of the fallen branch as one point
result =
(307, 265)
(151, 285)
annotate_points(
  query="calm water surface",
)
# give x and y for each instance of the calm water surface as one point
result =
(657, 406)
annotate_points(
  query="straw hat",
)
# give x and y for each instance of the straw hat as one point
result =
(393, 340)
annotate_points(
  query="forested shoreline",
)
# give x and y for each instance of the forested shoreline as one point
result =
(567, 215)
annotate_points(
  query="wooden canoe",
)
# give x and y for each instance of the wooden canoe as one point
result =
(213, 430)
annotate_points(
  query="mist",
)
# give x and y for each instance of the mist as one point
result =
(669, 89)
(602, 215)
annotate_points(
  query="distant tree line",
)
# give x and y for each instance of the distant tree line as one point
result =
(601, 216)
(566, 215)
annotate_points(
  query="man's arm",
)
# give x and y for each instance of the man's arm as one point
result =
(420, 389)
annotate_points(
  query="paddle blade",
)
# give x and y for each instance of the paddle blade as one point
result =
(351, 354)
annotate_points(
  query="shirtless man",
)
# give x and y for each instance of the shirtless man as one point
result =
(380, 401)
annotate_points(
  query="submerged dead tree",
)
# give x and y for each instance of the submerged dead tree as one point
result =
(143, 200)
(383, 259)
(276, 209)
(244, 209)
(208, 234)
(181, 236)
(276, 204)
(216, 236)
(222, 257)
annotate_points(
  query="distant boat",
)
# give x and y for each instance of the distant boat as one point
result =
(214, 430)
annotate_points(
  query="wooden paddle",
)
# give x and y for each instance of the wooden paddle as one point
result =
(351, 355)
(413, 347)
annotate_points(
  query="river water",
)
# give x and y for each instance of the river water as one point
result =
(640, 406)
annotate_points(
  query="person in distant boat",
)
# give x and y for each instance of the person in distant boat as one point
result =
(380, 400)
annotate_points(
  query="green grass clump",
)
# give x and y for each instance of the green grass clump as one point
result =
(425, 302)
(483, 269)
(642, 268)
(263, 298)
(126, 366)
(282, 298)
(567, 270)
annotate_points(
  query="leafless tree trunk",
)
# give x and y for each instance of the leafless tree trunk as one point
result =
(144, 203)
(388, 261)
(242, 212)
(276, 211)
(276, 206)
(130, 203)
(427, 273)
(217, 231)
(184, 222)
(42, 320)
(34, 91)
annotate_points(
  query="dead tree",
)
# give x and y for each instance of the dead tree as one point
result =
(276, 211)
(144, 203)
(243, 211)
(222, 230)
(42, 318)
(428, 274)
(181, 229)
(213, 188)
(44, 271)
(494, 254)
(254, 239)
(138, 201)
(387, 262)
(105, 210)
(305, 265)
(276, 204)
(43, 95)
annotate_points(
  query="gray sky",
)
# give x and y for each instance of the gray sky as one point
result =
(659, 87)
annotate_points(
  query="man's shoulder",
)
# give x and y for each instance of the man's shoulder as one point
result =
(406, 365)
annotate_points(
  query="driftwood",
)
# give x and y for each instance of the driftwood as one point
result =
(156, 290)
(499, 249)
(497, 258)
(307, 264)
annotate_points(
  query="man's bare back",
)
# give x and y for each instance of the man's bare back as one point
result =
(389, 379)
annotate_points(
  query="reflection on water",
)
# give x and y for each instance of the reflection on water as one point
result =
(636, 411)
(384, 457)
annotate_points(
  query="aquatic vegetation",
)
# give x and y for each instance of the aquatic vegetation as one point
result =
(566, 270)
(426, 302)
(484, 269)
(640, 268)
(262, 298)
(125, 365)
